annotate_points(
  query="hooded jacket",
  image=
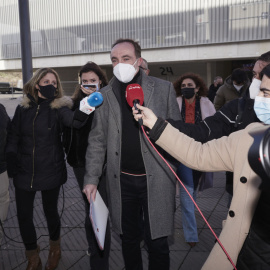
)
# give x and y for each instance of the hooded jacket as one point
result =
(228, 92)
(35, 139)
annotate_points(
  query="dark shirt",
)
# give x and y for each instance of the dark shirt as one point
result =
(131, 155)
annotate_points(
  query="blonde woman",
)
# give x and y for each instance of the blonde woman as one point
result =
(35, 158)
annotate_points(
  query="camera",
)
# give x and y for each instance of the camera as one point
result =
(258, 155)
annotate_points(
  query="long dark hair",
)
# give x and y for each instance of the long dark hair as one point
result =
(89, 66)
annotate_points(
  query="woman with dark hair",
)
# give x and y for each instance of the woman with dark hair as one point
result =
(35, 158)
(92, 78)
(194, 106)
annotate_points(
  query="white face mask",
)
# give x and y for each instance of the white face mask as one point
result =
(254, 88)
(124, 72)
(262, 109)
(237, 87)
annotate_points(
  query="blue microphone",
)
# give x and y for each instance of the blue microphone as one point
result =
(95, 99)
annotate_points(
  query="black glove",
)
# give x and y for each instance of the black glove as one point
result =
(12, 168)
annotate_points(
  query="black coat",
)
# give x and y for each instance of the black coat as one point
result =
(4, 123)
(76, 141)
(35, 139)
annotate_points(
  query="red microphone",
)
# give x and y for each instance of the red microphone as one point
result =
(134, 96)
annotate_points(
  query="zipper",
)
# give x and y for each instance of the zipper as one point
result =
(34, 146)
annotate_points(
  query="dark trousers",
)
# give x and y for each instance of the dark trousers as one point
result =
(99, 259)
(25, 206)
(134, 198)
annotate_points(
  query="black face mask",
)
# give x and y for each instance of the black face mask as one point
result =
(188, 92)
(47, 91)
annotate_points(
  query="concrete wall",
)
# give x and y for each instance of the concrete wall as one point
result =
(167, 63)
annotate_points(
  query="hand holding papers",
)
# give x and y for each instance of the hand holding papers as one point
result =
(99, 216)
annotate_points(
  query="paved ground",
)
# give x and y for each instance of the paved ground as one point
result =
(212, 202)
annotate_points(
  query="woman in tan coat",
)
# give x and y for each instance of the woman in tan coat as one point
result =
(248, 214)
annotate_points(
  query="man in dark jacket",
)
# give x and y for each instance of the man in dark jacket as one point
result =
(4, 181)
(234, 87)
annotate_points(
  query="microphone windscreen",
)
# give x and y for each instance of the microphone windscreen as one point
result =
(134, 92)
(95, 99)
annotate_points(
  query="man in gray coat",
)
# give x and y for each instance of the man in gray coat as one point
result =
(137, 178)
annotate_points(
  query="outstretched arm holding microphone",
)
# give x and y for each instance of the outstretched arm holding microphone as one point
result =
(224, 154)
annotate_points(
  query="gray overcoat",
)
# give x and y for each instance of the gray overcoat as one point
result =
(105, 138)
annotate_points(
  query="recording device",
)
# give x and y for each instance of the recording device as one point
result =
(259, 153)
(88, 104)
(87, 86)
(134, 96)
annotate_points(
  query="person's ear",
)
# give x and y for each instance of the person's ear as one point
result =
(139, 61)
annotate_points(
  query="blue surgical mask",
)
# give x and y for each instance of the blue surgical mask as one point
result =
(262, 109)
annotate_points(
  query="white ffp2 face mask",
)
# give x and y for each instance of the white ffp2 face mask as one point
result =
(254, 88)
(238, 87)
(124, 72)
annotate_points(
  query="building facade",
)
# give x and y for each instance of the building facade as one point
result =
(207, 37)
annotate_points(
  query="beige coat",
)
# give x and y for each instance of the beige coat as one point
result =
(224, 154)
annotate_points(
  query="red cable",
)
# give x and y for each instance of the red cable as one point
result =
(192, 200)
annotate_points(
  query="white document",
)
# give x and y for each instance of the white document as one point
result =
(99, 216)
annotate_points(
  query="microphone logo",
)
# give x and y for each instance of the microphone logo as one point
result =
(134, 94)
